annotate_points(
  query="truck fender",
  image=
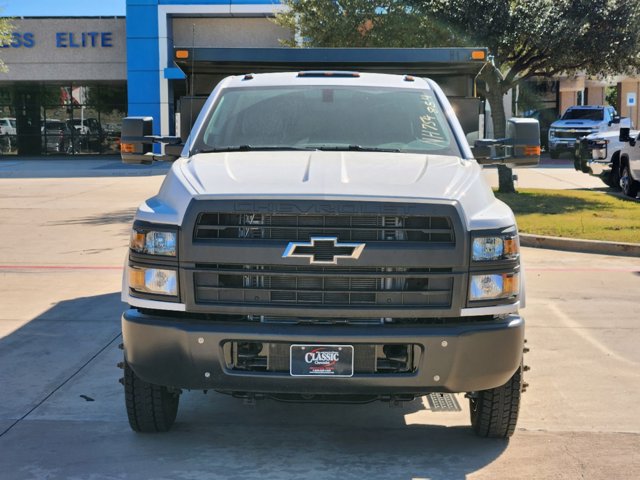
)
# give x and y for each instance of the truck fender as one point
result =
(615, 160)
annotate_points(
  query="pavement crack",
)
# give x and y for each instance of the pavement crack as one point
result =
(73, 375)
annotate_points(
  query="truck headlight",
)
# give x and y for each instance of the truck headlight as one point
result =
(499, 247)
(552, 133)
(599, 149)
(153, 242)
(494, 286)
(153, 280)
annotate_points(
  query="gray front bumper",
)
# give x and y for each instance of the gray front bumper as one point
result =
(564, 144)
(185, 353)
(598, 167)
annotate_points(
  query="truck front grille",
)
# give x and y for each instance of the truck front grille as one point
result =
(430, 229)
(572, 133)
(413, 260)
(337, 286)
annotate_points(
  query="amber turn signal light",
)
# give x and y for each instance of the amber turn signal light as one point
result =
(182, 54)
(531, 150)
(127, 148)
(478, 55)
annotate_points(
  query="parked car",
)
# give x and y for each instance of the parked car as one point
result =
(57, 137)
(7, 134)
(87, 126)
(581, 121)
(629, 171)
(88, 131)
(8, 126)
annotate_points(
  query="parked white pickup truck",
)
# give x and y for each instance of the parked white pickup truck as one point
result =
(627, 165)
(607, 155)
(581, 121)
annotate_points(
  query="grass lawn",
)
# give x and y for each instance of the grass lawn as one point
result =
(588, 214)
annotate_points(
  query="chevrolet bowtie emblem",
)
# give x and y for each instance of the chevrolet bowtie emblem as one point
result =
(323, 250)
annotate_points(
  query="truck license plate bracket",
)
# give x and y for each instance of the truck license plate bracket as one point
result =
(314, 360)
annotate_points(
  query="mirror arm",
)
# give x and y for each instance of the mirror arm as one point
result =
(494, 142)
(149, 139)
(153, 157)
(170, 140)
(493, 160)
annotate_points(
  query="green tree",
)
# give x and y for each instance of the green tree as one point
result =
(6, 30)
(527, 38)
(356, 23)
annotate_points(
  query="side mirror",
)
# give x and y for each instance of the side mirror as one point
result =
(624, 134)
(136, 142)
(524, 136)
(615, 120)
(521, 148)
(135, 149)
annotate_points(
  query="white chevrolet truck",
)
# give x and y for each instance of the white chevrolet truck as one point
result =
(325, 236)
(580, 121)
(614, 157)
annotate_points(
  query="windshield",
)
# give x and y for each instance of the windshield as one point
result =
(328, 118)
(584, 114)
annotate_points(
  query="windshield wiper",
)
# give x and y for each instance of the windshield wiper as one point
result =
(250, 148)
(257, 148)
(353, 148)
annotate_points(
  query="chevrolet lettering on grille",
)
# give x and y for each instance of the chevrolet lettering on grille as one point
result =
(323, 250)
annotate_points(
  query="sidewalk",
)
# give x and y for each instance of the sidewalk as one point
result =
(551, 174)
(74, 167)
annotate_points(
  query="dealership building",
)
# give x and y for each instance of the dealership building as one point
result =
(70, 80)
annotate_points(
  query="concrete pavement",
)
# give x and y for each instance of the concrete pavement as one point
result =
(552, 174)
(62, 410)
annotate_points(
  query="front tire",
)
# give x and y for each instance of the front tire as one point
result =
(150, 408)
(629, 186)
(494, 412)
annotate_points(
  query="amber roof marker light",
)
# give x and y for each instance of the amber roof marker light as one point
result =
(478, 55)
(182, 54)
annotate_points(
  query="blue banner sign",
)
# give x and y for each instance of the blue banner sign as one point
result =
(64, 40)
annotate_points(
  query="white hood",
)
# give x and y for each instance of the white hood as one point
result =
(372, 176)
(322, 174)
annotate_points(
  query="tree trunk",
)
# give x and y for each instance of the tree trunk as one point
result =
(493, 94)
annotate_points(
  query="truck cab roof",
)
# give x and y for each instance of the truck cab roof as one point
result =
(325, 77)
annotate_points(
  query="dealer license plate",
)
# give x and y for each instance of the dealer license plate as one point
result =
(321, 360)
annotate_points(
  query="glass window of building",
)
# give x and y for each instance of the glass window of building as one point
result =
(61, 119)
